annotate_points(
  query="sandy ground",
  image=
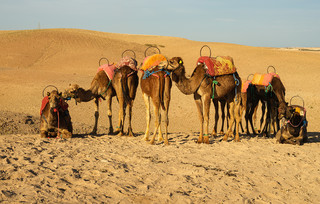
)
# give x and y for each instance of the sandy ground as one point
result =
(111, 169)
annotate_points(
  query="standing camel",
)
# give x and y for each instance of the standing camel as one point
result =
(201, 86)
(156, 84)
(101, 87)
(125, 83)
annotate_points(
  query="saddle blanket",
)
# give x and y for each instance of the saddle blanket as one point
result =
(263, 79)
(64, 105)
(108, 69)
(128, 61)
(216, 66)
(152, 61)
(245, 86)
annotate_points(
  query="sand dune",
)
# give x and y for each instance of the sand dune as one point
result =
(107, 168)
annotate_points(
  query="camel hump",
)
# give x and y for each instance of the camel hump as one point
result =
(219, 65)
(108, 69)
(152, 61)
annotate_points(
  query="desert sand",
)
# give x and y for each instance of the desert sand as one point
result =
(110, 169)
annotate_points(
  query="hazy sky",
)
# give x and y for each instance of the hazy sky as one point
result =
(269, 23)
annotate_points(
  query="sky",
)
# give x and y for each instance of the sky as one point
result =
(261, 23)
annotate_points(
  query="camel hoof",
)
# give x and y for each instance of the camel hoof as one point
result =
(221, 133)
(166, 142)
(160, 139)
(152, 142)
(214, 135)
(145, 138)
(206, 140)
(225, 138)
(120, 134)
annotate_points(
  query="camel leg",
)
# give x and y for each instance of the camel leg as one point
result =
(157, 119)
(254, 116)
(96, 115)
(43, 133)
(238, 119)
(206, 118)
(198, 101)
(122, 110)
(109, 111)
(166, 112)
(223, 116)
(160, 137)
(231, 121)
(148, 116)
(216, 117)
(263, 110)
(130, 132)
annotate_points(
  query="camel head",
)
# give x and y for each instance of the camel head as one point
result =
(54, 99)
(285, 111)
(175, 63)
(72, 92)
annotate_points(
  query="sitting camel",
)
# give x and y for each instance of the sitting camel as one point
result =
(157, 86)
(55, 119)
(201, 86)
(294, 131)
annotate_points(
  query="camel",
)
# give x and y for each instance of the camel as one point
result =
(55, 118)
(157, 86)
(258, 93)
(101, 87)
(125, 83)
(201, 86)
(294, 131)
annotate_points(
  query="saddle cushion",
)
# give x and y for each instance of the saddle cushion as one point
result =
(152, 61)
(108, 69)
(127, 61)
(216, 66)
(245, 86)
(263, 79)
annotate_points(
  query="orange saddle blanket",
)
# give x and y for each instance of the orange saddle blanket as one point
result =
(263, 79)
(245, 86)
(216, 66)
(152, 61)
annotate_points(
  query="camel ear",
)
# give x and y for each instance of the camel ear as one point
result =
(60, 93)
(48, 93)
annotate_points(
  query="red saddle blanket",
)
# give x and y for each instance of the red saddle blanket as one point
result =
(64, 105)
(108, 69)
(216, 66)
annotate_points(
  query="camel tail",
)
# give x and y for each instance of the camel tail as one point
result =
(161, 90)
(125, 89)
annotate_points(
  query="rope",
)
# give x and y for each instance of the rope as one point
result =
(214, 83)
(56, 110)
(106, 88)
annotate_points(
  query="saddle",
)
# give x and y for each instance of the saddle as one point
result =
(64, 105)
(245, 86)
(128, 61)
(217, 66)
(108, 69)
(152, 61)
